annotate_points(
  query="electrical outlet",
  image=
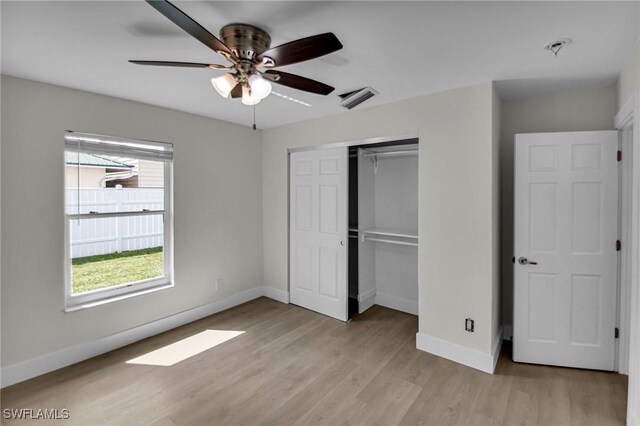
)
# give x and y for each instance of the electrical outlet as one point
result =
(468, 325)
(219, 284)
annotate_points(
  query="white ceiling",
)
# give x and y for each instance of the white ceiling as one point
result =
(402, 49)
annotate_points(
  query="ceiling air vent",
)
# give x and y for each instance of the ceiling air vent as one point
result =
(353, 99)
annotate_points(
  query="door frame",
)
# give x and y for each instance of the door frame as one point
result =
(357, 142)
(628, 345)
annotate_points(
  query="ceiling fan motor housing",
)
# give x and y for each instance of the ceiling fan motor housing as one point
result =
(245, 41)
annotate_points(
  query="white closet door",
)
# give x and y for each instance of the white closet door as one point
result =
(565, 247)
(318, 231)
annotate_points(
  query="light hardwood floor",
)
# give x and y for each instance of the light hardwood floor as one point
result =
(293, 366)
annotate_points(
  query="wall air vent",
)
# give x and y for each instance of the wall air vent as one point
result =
(353, 99)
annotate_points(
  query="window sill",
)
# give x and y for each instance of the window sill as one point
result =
(72, 307)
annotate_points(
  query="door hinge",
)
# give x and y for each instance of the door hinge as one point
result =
(619, 155)
(617, 333)
(618, 245)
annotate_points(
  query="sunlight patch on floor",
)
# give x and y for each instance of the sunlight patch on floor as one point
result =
(185, 348)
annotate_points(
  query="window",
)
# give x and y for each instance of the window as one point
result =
(118, 218)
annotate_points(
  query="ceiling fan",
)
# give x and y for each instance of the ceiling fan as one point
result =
(249, 50)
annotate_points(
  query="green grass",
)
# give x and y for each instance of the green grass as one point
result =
(96, 272)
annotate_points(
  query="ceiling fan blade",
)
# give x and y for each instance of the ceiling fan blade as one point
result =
(183, 20)
(236, 92)
(298, 82)
(171, 64)
(302, 50)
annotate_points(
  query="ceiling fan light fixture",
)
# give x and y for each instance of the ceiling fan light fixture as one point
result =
(224, 85)
(248, 97)
(260, 87)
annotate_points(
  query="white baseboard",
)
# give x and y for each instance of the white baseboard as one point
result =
(53, 361)
(454, 352)
(497, 347)
(276, 294)
(366, 300)
(397, 303)
(367, 295)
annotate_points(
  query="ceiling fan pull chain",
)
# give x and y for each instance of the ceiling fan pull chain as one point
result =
(254, 118)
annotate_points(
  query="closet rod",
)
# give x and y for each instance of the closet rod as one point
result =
(381, 240)
(368, 154)
(378, 232)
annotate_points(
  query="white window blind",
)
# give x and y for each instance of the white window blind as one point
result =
(117, 146)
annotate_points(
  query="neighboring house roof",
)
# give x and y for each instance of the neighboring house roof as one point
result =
(71, 158)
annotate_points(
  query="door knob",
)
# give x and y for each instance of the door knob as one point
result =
(342, 243)
(525, 261)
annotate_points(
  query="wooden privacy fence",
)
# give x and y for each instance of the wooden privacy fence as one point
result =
(90, 237)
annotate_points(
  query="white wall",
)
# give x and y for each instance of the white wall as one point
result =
(455, 201)
(396, 208)
(629, 80)
(396, 193)
(496, 245)
(218, 225)
(576, 110)
(366, 219)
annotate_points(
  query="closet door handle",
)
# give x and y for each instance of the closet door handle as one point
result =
(342, 243)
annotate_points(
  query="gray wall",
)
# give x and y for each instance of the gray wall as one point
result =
(629, 81)
(496, 245)
(576, 110)
(396, 207)
(456, 212)
(218, 213)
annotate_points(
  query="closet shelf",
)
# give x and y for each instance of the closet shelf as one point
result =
(389, 236)
(374, 156)
(397, 153)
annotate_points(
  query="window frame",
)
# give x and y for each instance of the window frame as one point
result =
(123, 291)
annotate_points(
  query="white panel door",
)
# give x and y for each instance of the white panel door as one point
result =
(318, 228)
(565, 249)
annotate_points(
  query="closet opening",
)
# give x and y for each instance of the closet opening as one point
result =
(353, 227)
(383, 226)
